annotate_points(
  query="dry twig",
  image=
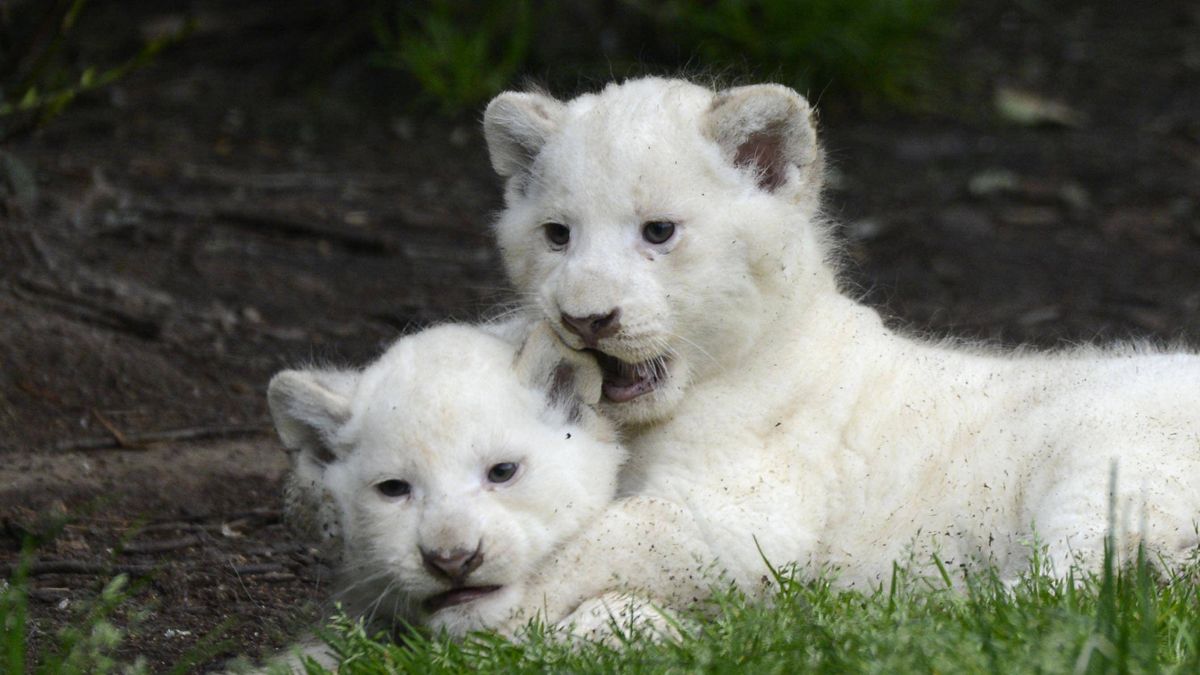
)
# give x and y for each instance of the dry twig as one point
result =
(139, 441)
(163, 546)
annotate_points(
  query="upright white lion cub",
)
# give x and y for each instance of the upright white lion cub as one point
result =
(453, 466)
(674, 233)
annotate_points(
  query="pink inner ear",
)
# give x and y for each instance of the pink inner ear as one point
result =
(764, 153)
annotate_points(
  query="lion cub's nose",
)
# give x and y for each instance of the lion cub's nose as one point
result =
(454, 565)
(594, 327)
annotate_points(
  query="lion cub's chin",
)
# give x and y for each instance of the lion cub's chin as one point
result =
(640, 393)
(484, 612)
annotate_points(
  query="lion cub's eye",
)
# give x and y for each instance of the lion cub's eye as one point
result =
(658, 231)
(393, 488)
(502, 472)
(557, 235)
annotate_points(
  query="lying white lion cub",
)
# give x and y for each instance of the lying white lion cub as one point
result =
(454, 465)
(674, 232)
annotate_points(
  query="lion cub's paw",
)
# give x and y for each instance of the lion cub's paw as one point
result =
(619, 618)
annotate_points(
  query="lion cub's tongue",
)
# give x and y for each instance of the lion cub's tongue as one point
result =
(625, 381)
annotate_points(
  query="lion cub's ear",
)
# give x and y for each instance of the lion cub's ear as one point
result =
(309, 407)
(770, 130)
(570, 379)
(516, 126)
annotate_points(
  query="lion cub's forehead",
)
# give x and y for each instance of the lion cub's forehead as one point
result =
(624, 123)
(650, 103)
(637, 139)
(446, 390)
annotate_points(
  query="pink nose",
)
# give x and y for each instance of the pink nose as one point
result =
(454, 565)
(595, 327)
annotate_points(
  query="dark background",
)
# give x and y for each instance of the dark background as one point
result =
(269, 192)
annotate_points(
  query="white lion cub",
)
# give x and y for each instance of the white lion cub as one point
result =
(454, 465)
(675, 233)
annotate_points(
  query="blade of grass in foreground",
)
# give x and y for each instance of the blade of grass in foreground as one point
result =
(14, 615)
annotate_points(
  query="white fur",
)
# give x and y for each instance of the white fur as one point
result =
(792, 419)
(438, 410)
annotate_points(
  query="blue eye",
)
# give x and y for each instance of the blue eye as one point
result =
(502, 472)
(557, 234)
(393, 489)
(658, 231)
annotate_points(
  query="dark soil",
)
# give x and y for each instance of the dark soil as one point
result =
(199, 227)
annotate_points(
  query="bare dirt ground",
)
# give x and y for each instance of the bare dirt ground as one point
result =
(198, 228)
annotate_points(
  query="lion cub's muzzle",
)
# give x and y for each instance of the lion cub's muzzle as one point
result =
(454, 566)
(595, 327)
(623, 381)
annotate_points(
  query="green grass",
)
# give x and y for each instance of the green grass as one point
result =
(461, 53)
(85, 645)
(1130, 622)
(881, 50)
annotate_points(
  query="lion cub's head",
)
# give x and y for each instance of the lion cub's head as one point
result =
(455, 465)
(657, 223)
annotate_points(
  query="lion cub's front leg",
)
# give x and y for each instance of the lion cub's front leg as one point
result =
(617, 616)
(640, 550)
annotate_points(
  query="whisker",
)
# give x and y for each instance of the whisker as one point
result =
(697, 347)
(370, 619)
(345, 591)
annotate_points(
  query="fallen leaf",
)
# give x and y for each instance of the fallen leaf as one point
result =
(1029, 109)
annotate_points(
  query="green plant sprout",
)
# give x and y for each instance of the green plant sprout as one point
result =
(460, 53)
(35, 85)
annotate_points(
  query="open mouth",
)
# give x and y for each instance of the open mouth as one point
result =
(627, 381)
(456, 596)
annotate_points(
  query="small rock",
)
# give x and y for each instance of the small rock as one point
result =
(865, 229)
(1076, 197)
(222, 316)
(993, 182)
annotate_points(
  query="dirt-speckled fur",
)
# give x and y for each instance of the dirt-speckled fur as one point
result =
(437, 411)
(791, 422)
